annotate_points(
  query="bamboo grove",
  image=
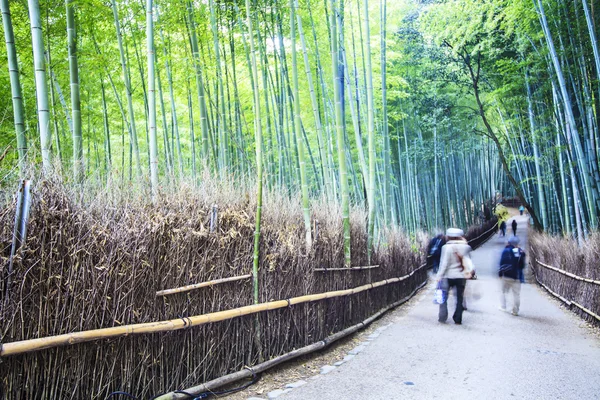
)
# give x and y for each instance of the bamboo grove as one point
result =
(420, 111)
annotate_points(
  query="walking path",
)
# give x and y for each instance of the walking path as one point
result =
(543, 353)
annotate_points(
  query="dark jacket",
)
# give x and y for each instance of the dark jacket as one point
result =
(434, 249)
(511, 262)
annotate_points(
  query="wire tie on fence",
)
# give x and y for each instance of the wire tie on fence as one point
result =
(187, 322)
(251, 370)
(289, 302)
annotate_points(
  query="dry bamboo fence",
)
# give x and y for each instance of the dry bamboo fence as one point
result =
(577, 282)
(250, 372)
(25, 346)
(99, 266)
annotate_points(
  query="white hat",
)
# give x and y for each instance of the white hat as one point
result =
(454, 232)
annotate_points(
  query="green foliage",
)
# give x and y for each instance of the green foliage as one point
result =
(502, 213)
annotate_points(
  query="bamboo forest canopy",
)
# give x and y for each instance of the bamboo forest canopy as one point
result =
(422, 111)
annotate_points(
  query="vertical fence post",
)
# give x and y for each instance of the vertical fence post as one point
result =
(213, 217)
(20, 230)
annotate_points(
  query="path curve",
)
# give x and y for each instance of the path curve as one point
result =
(545, 352)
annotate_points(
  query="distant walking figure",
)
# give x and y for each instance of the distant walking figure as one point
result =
(511, 262)
(521, 209)
(434, 250)
(514, 226)
(455, 266)
(503, 228)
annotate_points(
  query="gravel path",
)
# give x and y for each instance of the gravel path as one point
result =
(545, 352)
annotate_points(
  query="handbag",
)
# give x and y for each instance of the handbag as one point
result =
(440, 295)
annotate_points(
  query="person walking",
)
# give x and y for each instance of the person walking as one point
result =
(511, 262)
(514, 227)
(503, 228)
(455, 267)
(521, 209)
(434, 251)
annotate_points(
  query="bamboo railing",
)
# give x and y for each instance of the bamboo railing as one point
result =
(570, 275)
(248, 372)
(25, 346)
(347, 269)
(201, 285)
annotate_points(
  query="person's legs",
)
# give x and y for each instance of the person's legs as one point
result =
(516, 289)
(436, 265)
(505, 287)
(460, 291)
(443, 313)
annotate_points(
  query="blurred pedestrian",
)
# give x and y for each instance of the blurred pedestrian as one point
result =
(455, 267)
(511, 262)
(514, 227)
(434, 251)
(503, 228)
(521, 209)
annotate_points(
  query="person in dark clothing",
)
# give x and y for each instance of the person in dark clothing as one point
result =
(514, 227)
(503, 228)
(512, 262)
(434, 251)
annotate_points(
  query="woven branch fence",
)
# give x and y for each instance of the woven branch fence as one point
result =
(569, 272)
(93, 267)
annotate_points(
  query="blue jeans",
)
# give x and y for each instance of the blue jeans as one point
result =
(460, 291)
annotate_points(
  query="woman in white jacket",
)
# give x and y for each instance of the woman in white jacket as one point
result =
(455, 267)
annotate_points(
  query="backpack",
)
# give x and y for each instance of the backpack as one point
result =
(515, 261)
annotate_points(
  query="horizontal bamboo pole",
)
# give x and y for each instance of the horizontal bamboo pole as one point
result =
(249, 372)
(202, 284)
(30, 345)
(582, 308)
(566, 273)
(347, 269)
(493, 228)
(564, 300)
(552, 292)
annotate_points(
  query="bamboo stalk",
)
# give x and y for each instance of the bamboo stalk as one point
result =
(569, 274)
(249, 372)
(30, 345)
(201, 285)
